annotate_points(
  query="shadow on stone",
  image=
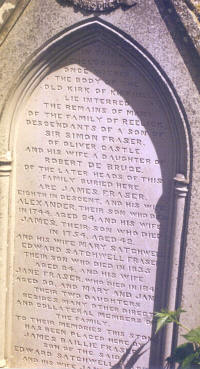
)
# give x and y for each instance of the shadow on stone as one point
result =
(127, 361)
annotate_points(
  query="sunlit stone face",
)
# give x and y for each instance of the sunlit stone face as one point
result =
(93, 176)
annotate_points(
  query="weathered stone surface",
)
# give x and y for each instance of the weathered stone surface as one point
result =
(92, 203)
(188, 11)
(10, 11)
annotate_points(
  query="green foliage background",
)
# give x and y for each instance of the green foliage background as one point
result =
(187, 355)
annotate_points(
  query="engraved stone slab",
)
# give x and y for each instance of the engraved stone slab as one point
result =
(93, 175)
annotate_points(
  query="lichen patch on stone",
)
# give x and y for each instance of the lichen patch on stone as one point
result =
(5, 9)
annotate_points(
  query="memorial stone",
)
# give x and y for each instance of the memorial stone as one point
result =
(94, 170)
(94, 183)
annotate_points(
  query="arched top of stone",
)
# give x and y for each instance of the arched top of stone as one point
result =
(58, 53)
(53, 54)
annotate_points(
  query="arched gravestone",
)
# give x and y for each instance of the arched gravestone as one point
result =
(97, 139)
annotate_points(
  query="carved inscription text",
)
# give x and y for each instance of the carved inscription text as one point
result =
(94, 167)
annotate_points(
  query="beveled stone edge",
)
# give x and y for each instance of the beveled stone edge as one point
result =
(180, 178)
(5, 164)
(37, 66)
